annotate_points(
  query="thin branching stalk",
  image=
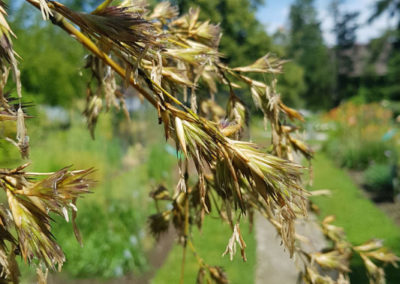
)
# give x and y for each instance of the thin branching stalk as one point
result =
(165, 57)
(186, 238)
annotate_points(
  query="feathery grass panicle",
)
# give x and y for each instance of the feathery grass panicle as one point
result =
(159, 223)
(46, 12)
(6, 52)
(8, 60)
(166, 58)
(164, 11)
(29, 203)
(35, 239)
(338, 258)
(265, 64)
(124, 26)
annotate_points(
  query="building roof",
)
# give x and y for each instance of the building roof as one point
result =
(361, 56)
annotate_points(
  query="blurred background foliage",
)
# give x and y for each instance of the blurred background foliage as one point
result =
(352, 109)
(318, 76)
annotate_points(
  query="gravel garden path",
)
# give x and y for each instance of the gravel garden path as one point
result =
(274, 265)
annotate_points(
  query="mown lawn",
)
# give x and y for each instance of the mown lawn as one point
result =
(210, 245)
(360, 218)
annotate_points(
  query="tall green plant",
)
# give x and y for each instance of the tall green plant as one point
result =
(391, 7)
(345, 27)
(164, 58)
(308, 49)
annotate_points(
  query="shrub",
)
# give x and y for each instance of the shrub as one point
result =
(160, 162)
(112, 238)
(352, 155)
(379, 179)
(362, 134)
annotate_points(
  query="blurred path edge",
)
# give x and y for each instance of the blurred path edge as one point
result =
(274, 265)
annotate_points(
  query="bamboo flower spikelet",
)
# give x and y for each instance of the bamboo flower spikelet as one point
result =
(29, 203)
(169, 59)
(25, 221)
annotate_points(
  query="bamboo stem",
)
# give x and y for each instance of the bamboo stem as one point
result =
(186, 227)
(182, 277)
(200, 261)
(186, 235)
(102, 6)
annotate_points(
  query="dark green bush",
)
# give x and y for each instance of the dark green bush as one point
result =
(353, 155)
(378, 178)
(113, 241)
(160, 162)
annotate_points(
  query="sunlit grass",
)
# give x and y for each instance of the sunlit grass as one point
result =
(210, 245)
(360, 218)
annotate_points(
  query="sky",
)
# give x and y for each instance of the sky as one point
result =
(274, 14)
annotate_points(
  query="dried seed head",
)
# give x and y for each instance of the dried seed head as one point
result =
(312, 276)
(383, 254)
(42, 275)
(218, 274)
(160, 193)
(164, 11)
(369, 245)
(180, 133)
(332, 260)
(46, 12)
(236, 239)
(159, 223)
(32, 226)
(265, 64)
(376, 274)
(22, 138)
(125, 26)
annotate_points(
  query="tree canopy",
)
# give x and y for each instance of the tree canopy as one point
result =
(307, 48)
